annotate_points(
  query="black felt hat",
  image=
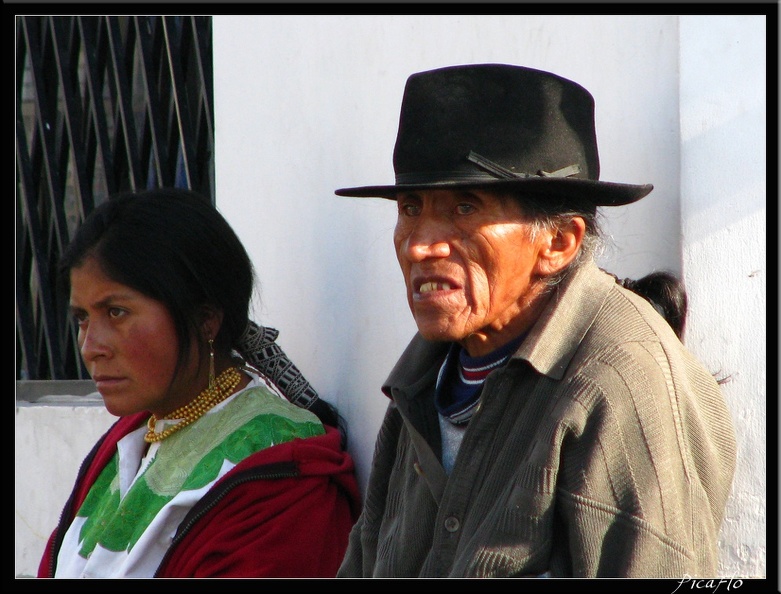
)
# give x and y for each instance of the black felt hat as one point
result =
(500, 127)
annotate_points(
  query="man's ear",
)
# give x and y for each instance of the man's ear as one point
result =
(560, 247)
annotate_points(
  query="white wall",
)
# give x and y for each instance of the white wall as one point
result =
(51, 441)
(724, 191)
(304, 105)
(307, 104)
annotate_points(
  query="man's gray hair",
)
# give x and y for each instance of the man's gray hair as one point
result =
(545, 216)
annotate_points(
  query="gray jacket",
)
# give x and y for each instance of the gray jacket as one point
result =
(602, 449)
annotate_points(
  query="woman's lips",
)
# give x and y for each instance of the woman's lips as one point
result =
(105, 382)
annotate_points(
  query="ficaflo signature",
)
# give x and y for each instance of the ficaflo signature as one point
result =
(712, 584)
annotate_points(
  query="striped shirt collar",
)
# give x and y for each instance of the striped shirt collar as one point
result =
(461, 379)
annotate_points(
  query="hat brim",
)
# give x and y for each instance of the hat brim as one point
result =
(598, 193)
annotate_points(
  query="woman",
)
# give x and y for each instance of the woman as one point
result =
(210, 470)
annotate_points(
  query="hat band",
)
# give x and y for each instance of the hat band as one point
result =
(496, 171)
(442, 177)
(504, 173)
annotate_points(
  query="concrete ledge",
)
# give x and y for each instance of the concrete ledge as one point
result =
(54, 391)
(51, 442)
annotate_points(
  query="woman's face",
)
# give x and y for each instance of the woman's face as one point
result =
(129, 345)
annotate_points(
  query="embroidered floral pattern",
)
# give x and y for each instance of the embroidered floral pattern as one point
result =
(190, 460)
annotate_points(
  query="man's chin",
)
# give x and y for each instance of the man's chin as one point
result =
(438, 333)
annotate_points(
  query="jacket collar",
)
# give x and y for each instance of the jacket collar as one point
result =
(556, 336)
(418, 366)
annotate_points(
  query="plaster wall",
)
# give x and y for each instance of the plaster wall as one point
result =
(308, 104)
(723, 188)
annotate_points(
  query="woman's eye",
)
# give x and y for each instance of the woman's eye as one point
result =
(115, 312)
(80, 317)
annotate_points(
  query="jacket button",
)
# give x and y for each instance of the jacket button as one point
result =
(452, 524)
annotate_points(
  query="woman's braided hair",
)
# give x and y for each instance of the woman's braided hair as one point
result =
(258, 348)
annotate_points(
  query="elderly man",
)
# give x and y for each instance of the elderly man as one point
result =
(545, 420)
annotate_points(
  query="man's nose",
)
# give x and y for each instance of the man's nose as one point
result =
(428, 239)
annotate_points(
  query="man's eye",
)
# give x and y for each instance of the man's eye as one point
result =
(465, 208)
(409, 209)
(80, 317)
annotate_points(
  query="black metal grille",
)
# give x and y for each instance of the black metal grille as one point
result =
(103, 104)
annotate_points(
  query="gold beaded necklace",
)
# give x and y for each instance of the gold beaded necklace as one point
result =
(223, 386)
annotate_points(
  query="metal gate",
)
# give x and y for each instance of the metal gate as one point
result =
(103, 104)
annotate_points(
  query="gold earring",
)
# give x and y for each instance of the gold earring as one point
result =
(211, 363)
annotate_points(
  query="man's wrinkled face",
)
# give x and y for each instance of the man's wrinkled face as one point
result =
(469, 264)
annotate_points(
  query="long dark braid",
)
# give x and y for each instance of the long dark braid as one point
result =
(258, 347)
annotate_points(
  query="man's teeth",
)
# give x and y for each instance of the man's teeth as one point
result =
(426, 287)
